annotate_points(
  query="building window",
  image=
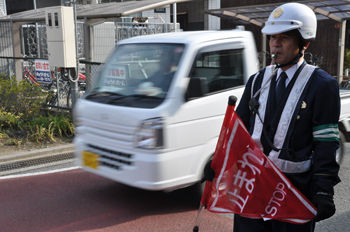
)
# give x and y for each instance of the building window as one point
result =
(160, 10)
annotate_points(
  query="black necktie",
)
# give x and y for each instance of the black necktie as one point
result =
(281, 87)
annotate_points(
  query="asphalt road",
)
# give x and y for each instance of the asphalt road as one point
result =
(340, 222)
(78, 201)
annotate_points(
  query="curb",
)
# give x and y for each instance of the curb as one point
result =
(51, 151)
(36, 159)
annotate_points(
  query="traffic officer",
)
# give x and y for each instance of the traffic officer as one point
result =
(292, 109)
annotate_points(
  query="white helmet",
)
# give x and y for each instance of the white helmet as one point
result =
(291, 16)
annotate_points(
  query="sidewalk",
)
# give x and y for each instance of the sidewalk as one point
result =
(36, 152)
(22, 160)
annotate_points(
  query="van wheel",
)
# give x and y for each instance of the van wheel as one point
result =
(341, 150)
(201, 185)
(196, 191)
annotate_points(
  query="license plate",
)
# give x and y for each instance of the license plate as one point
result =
(90, 159)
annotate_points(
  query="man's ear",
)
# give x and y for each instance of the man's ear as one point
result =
(306, 45)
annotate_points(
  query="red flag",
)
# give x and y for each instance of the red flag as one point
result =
(248, 183)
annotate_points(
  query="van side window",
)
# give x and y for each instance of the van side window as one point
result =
(222, 69)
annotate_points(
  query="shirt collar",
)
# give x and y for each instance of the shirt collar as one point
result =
(291, 71)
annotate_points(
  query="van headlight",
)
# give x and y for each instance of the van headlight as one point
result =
(150, 134)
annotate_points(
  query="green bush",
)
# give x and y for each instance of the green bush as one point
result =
(46, 128)
(8, 120)
(42, 128)
(21, 97)
(22, 118)
(4, 76)
(62, 125)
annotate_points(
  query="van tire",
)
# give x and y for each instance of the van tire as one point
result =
(199, 186)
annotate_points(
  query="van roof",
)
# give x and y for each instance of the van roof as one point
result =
(186, 37)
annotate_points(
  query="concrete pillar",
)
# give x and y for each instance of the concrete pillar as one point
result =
(211, 22)
(341, 50)
(87, 39)
(16, 44)
(175, 16)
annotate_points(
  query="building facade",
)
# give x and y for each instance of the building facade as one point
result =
(192, 16)
(323, 51)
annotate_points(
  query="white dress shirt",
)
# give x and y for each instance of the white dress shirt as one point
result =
(290, 72)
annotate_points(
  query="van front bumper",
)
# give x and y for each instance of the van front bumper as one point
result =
(162, 171)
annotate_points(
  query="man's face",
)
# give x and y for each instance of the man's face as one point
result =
(284, 46)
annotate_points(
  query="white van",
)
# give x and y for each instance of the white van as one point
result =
(153, 116)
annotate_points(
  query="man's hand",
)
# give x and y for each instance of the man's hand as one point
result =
(325, 206)
(209, 173)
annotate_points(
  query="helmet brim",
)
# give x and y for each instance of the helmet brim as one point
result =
(280, 27)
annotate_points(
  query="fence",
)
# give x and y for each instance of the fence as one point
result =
(34, 44)
(34, 39)
(7, 66)
(6, 39)
(127, 30)
(91, 70)
(57, 83)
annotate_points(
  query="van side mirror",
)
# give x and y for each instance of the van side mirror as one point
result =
(196, 88)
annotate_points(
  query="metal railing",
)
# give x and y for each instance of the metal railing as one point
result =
(91, 70)
(7, 66)
(58, 89)
(127, 30)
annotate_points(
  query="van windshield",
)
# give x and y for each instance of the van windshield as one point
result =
(138, 70)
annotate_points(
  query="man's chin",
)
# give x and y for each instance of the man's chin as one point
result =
(280, 61)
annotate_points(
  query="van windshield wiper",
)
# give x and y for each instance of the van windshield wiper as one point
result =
(138, 96)
(96, 94)
(144, 96)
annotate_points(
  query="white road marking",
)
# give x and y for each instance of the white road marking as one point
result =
(37, 173)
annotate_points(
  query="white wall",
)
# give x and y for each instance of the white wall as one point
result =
(102, 41)
(3, 10)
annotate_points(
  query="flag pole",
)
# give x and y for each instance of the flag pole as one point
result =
(232, 100)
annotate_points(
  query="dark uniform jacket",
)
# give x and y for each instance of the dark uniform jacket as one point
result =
(312, 133)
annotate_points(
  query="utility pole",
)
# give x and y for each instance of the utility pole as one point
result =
(174, 15)
(75, 83)
(37, 33)
(74, 80)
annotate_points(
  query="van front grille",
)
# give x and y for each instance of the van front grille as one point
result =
(110, 158)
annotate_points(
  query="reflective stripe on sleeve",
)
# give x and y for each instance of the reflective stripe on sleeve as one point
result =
(326, 133)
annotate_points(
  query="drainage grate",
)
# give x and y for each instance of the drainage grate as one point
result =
(35, 162)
